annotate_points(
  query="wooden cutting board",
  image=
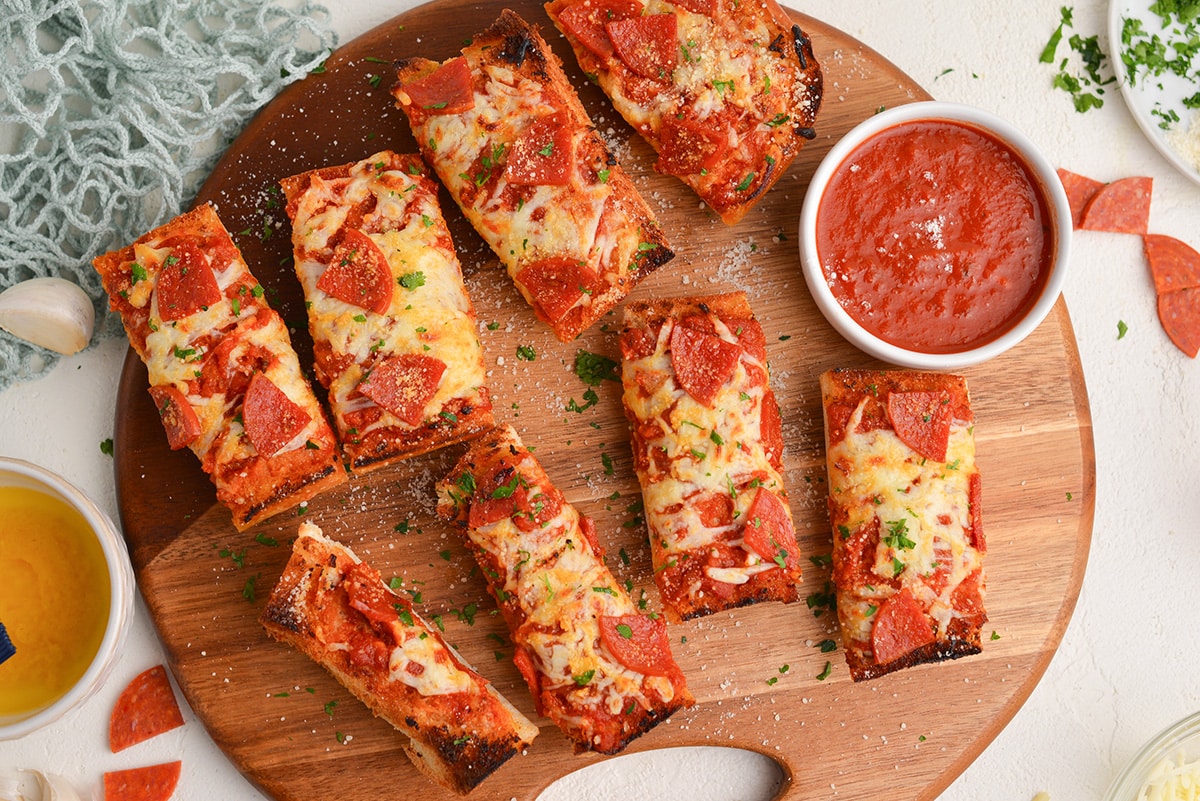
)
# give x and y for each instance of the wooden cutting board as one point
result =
(755, 671)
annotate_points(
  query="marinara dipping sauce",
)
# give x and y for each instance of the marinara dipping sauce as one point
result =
(935, 236)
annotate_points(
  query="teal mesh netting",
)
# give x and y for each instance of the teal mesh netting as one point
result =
(111, 114)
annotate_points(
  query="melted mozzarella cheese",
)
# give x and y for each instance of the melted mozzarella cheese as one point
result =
(709, 449)
(174, 354)
(563, 589)
(434, 318)
(923, 509)
(549, 220)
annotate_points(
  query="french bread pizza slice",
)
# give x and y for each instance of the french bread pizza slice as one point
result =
(336, 609)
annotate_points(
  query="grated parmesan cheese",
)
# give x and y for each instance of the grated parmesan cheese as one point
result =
(1186, 143)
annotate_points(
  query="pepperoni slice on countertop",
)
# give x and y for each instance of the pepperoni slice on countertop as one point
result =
(450, 89)
(358, 273)
(270, 417)
(177, 416)
(151, 783)
(585, 21)
(1174, 264)
(1080, 191)
(688, 147)
(1179, 313)
(769, 532)
(1122, 207)
(557, 284)
(647, 45)
(544, 155)
(639, 642)
(145, 708)
(703, 362)
(186, 283)
(922, 421)
(404, 384)
(901, 627)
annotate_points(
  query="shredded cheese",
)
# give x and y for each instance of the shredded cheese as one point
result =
(1169, 781)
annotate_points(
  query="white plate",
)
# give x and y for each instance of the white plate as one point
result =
(1162, 92)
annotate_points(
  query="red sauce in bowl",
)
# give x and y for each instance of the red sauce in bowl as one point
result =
(935, 236)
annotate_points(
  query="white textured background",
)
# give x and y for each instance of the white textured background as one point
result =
(1128, 664)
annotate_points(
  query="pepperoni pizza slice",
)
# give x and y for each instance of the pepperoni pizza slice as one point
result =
(725, 91)
(904, 504)
(707, 449)
(509, 138)
(337, 610)
(596, 666)
(394, 333)
(223, 374)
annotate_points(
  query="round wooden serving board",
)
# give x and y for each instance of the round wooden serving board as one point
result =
(756, 671)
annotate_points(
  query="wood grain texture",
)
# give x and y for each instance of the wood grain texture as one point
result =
(298, 735)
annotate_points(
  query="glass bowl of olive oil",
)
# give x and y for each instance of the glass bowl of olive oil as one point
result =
(66, 596)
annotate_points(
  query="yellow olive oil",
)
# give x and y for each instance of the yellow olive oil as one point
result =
(54, 598)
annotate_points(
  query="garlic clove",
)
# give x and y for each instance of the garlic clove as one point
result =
(33, 785)
(51, 312)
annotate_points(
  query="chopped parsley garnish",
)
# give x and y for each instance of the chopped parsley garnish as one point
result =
(1122, 329)
(526, 353)
(411, 281)
(106, 447)
(824, 674)
(1081, 72)
(625, 631)
(582, 679)
(593, 369)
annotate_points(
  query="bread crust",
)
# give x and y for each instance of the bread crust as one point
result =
(770, 124)
(456, 738)
(682, 571)
(254, 487)
(938, 511)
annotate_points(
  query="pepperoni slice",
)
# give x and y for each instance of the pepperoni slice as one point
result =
(177, 416)
(1080, 191)
(358, 273)
(975, 499)
(1173, 264)
(901, 627)
(689, 147)
(922, 421)
(404, 384)
(366, 594)
(706, 7)
(186, 283)
(769, 531)
(450, 89)
(639, 642)
(702, 362)
(151, 783)
(715, 509)
(770, 427)
(557, 284)
(637, 343)
(585, 22)
(647, 45)
(1122, 207)
(525, 667)
(1179, 313)
(270, 417)
(545, 153)
(145, 708)
(587, 528)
